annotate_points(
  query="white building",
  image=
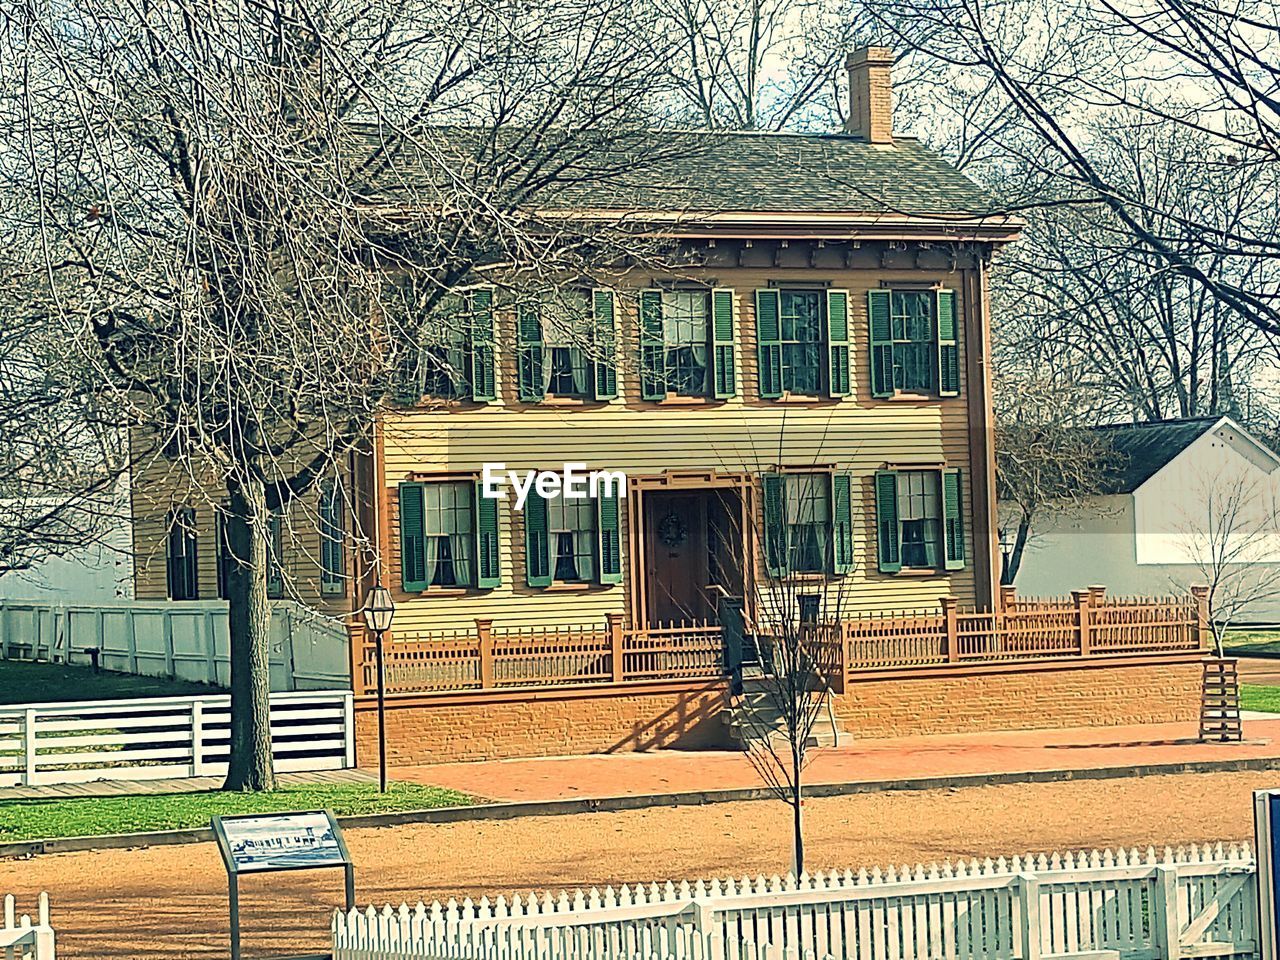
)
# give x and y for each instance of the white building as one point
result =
(1185, 497)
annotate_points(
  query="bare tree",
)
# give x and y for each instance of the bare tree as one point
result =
(1233, 542)
(224, 198)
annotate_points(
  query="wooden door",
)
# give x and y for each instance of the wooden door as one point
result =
(676, 548)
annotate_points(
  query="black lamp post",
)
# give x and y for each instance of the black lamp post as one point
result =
(378, 611)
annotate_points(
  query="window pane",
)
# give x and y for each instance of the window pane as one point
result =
(447, 529)
(802, 340)
(914, 347)
(919, 515)
(443, 358)
(571, 540)
(808, 517)
(685, 317)
(567, 337)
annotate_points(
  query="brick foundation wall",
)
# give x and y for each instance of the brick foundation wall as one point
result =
(548, 724)
(491, 725)
(964, 701)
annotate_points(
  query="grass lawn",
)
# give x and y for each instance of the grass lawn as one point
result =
(1245, 642)
(94, 816)
(22, 682)
(1254, 697)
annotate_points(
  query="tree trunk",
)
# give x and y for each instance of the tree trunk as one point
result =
(1009, 570)
(249, 628)
(797, 804)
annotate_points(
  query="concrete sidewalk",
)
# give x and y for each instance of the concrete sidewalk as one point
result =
(1079, 750)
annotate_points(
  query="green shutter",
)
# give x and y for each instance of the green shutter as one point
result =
(653, 351)
(605, 374)
(841, 523)
(723, 368)
(609, 539)
(537, 554)
(481, 342)
(488, 563)
(838, 343)
(413, 560)
(887, 532)
(952, 520)
(774, 522)
(768, 343)
(275, 560)
(880, 323)
(529, 346)
(948, 348)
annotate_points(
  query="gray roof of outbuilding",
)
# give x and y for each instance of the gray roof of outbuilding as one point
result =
(704, 171)
(1142, 449)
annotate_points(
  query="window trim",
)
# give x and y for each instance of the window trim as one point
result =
(945, 354)
(333, 583)
(950, 525)
(181, 520)
(428, 588)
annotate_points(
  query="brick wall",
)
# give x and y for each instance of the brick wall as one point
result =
(485, 726)
(1003, 699)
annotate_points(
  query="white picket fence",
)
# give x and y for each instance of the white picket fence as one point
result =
(185, 640)
(156, 737)
(20, 939)
(1196, 902)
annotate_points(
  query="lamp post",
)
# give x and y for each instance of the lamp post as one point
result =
(377, 612)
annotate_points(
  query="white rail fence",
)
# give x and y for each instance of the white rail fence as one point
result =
(156, 737)
(20, 938)
(185, 640)
(1137, 905)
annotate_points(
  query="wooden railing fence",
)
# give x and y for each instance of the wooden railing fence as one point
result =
(1086, 624)
(21, 938)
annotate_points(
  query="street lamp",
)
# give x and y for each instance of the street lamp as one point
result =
(377, 612)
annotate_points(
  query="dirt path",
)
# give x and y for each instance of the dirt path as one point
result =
(170, 902)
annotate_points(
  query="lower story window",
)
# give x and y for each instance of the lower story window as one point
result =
(181, 569)
(919, 518)
(808, 521)
(332, 535)
(571, 537)
(447, 533)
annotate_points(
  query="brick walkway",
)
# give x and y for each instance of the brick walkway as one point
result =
(118, 788)
(860, 761)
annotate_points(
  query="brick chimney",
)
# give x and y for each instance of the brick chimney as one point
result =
(870, 94)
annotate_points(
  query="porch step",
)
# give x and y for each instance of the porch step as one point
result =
(1220, 702)
(753, 717)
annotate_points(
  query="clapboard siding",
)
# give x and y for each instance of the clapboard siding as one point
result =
(856, 433)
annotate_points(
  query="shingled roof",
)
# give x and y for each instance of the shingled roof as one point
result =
(1142, 449)
(714, 172)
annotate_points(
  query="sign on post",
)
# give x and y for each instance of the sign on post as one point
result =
(1266, 835)
(270, 843)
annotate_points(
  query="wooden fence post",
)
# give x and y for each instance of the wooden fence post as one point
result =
(1203, 634)
(1028, 916)
(951, 623)
(197, 737)
(614, 621)
(29, 746)
(1165, 922)
(1008, 595)
(484, 631)
(1084, 619)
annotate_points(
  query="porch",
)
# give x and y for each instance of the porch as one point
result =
(1084, 627)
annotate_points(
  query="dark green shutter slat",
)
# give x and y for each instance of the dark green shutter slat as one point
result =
(841, 523)
(537, 555)
(952, 520)
(880, 323)
(775, 524)
(413, 560)
(653, 353)
(605, 379)
(838, 343)
(609, 539)
(948, 346)
(889, 548)
(480, 323)
(768, 343)
(488, 563)
(723, 368)
(529, 347)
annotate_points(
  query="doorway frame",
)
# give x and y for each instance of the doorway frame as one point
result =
(680, 481)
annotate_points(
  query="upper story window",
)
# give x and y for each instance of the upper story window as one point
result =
(687, 343)
(808, 526)
(802, 342)
(454, 358)
(565, 346)
(914, 342)
(181, 567)
(919, 520)
(448, 536)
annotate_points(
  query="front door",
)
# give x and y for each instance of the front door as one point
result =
(678, 576)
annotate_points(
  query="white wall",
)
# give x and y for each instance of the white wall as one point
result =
(97, 573)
